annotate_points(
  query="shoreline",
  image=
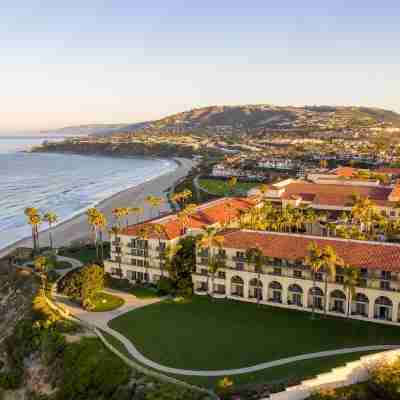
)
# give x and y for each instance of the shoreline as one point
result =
(76, 228)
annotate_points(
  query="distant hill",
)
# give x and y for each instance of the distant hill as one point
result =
(278, 117)
(250, 118)
(96, 129)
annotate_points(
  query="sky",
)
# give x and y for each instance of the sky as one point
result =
(129, 60)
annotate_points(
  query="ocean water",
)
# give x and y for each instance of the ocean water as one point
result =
(64, 184)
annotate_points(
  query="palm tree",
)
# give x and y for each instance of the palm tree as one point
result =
(255, 256)
(136, 211)
(91, 219)
(51, 218)
(101, 223)
(98, 223)
(34, 220)
(232, 182)
(169, 254)
(125, 213)
(315, 262)
(153, 202)
(118, 213)
(350, 282)
(184, 216)
(40, 264)
(330, 261)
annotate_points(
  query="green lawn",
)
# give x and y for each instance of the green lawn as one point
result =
(223, 334)
(294, 372)
(85, 254)
(142, 292)
(220, 187)
(106, 302)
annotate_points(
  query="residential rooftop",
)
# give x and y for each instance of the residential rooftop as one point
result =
(294, 247)
(218, 211)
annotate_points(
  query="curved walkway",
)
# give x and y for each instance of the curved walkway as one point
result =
(101, 320)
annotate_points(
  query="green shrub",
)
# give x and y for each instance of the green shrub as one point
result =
(165, 286)
(11, 380)
(82, 284)
(91, 372)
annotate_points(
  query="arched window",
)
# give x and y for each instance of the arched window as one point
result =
(383, 301)
(316, 291)
(237, 280)
(295, 288)
(338, 294)
(255, 282)
(275, 285)
(361, 298)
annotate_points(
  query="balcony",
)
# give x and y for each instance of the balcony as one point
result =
(203, 261)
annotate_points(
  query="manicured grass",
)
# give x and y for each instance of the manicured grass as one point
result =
(85, 254)
(290, 373)
(142, 292)
(283, 376)
(220, 187)
(222, 334)
(106, 302)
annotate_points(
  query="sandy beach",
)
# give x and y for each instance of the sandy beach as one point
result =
(77, 227)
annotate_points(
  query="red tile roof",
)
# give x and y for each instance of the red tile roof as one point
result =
(335, 195)
(391, 171)
(360, 254)
(345, 172)
(221, 210)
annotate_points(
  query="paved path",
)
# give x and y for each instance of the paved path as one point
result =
(101, 320)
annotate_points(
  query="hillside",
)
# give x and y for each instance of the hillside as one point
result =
(250, 118)
(255, 117)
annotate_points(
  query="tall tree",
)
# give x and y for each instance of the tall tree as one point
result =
(51, 218)
(315, 262)
(350, 281)
(232, 182)
(34, 220)
(330, 260)
(154, 202)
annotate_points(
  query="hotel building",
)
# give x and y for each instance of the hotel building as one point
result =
(140, 257)
(286, 281)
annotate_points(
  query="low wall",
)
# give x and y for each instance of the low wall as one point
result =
(351, 373)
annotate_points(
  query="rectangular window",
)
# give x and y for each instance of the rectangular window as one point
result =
(240, 255)
(362, 282)
(297, 273)
(385, 285)
(133, 261)
(339, 279)
(221, 274)
(222, 253)
(239, 266)
(364, 272)
(131, 275)
(277, 271)
(204, 271)
(318, 276)
(386, 275)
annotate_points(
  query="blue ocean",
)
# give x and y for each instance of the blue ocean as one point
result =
(64, 184)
